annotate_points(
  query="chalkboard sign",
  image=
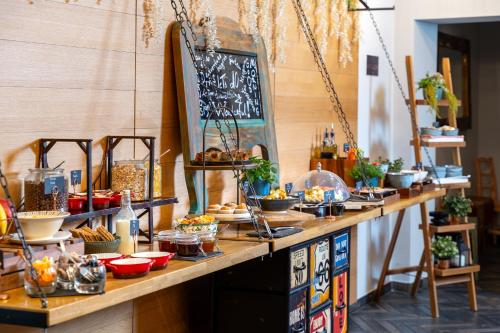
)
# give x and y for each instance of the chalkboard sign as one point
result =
(232, 80)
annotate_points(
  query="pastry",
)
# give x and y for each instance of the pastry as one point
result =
(231, 205)
(241, 209)
(226, 210)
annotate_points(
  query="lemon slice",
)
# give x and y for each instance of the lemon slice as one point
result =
(3, 221)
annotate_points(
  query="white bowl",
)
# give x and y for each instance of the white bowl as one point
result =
(41, 224)
(418, 176)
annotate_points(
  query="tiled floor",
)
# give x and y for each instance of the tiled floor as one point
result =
(399, 312)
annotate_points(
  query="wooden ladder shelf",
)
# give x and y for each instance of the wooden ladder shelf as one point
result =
(437, 277)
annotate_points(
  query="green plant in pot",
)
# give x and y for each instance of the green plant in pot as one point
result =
(444, 248)
(458, 207)
(262, 176)
(434, 87)
(372, 173)
(396, 178)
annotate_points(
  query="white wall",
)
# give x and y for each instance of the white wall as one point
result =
(410, 30)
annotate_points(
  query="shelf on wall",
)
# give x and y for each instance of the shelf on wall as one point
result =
(455, 186)
(220, 167)
(451, 228)
(113, 210)
(456, 271)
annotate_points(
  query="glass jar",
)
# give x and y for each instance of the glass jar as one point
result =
(35, 184)
(166, 240)
(208, 242)
(90, 276)
(66, 272)
(156, 178)
(46, 274)
(130, 175)
(188, 245)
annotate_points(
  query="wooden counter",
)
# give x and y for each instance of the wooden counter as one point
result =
(405, 203)
(312, 229)
(27, 311)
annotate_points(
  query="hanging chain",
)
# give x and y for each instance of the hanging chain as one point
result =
(401, 90)
(330, 88)
(255, 216)
(27, 251)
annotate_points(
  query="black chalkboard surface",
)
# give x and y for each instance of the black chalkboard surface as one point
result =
(232, 80)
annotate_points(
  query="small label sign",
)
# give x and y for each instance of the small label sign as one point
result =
(308, 183)
(288, 188)
(371, 65)
(53, 184)
(328, 195)
(76, 177)
(134, 227)
(301, 195)
(346, 147)
(245, 186)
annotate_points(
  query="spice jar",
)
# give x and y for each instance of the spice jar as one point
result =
(45, 271)
(46, 189)
(156, 178)
(90, 276)
(130, 175)
(166, 240)
(66, 270)
(208, 242)
(188, 245)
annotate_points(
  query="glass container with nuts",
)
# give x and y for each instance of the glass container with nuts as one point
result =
(130, 175)
(37, 198)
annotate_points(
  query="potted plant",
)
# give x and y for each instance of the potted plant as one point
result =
(434, 87)
(458, 207)
(367, 173)
(444, 248)
(395, 166)
(262, 176)
(383, 164)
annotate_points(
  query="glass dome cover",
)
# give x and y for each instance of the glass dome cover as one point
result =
(314, 184)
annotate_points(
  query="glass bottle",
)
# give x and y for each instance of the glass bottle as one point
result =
(333, 145)
(123, 220)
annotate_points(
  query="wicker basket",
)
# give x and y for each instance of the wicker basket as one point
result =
(102, 246)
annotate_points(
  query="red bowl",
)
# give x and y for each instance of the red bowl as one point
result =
(99, 203)
(160, 259)
(76, 203)
(130, 267)
(115, 200)
(106, 258)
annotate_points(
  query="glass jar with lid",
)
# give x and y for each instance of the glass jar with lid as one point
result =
(166, 240)
(188, 245)
(46, 189)
(317, 182)
(156, 178)
(130, 175)
(209, 242)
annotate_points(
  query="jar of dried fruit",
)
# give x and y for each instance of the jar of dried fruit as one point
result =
(156, 178)
(130, 175)
(46, 189)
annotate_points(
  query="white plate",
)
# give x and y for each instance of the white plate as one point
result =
(231, 217)
(59, 236)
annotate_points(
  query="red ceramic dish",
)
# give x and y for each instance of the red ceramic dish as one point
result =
(115, 200)
(76, 204)
(130, 267)
(106, 258)
(160, 259)
(99, 203)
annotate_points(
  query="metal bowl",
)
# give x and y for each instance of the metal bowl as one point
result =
(278, 205)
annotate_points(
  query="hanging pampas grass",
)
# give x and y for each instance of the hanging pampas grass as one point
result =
(345, 52)
(152, 20)
(209, 25)
(321, 31)
(253, 27)
(281, 23)
(264, 23)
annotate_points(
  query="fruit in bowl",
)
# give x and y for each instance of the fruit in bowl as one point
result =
(277, 201)
(41, 224)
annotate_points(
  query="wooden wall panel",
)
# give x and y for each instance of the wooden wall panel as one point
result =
(80, 69)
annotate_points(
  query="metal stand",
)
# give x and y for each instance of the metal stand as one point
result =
(86, 146)
(149, 142)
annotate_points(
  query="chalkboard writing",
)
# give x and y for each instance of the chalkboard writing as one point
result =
(232, 81)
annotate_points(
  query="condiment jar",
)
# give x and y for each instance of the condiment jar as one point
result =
(166, 240)
(130, 175)
(90, 276)
(35, 198)
(156, 178)
(208, 242)
(44, 271)
(188, 245)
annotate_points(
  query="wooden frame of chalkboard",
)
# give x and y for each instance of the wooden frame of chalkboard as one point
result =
(253, 132)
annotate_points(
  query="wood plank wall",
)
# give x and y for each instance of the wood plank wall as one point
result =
(80, 70)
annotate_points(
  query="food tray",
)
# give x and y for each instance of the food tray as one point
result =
(200, 257)
(231, 217)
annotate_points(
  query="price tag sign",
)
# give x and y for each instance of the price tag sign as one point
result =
(301, 195)
(246, 186)
(308, 183)
(328, 195)
(76, 177)
(288, 188)
(346, 147)
(134, 227)
(54, 183)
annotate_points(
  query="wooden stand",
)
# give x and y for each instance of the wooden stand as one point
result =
(436, 277)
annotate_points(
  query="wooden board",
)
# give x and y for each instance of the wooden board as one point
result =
(62, 309)
(405, 203)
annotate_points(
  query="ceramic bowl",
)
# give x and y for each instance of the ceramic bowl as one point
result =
(195, 227)
(41, 224)
(451, 132)
(160, 259)
(431, 131)
(438, 172)
(400, 180)
(454, 171)
(418, 175)
(130, 267)
(278, 205)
